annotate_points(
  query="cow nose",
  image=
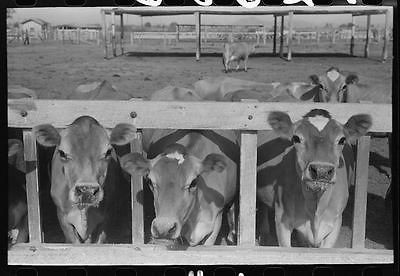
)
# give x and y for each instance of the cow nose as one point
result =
(163, 229)
(320, 172)
(88, 194)
(91, 190)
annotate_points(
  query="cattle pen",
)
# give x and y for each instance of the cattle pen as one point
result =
(276, 12)
(246, 117)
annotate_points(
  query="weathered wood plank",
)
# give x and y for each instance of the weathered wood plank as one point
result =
(353, 31)
(103, 19)
(360, 192)
(385, 37)
(281, 37)
(137, 197)
(274, 41)
(113, 41)
(185, 115)
(247, 199)
(151, 11)
(62, 254)
(32, 187)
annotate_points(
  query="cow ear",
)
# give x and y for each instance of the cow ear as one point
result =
(351, 79)
(47, 135)
(135, 163)
(122, 134)
(214, 162)
(357, 126)
(314, 79)
(281, 124)
(14, 146)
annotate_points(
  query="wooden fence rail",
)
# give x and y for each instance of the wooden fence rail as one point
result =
(247, 117)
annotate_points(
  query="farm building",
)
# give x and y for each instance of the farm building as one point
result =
(36, 27)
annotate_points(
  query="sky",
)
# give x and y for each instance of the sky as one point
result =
(91, 15)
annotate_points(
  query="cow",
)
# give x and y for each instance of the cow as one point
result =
(193, 178)
(87, 185)
(308, 186)
(17, 206)
(335, 87)
(237, 51)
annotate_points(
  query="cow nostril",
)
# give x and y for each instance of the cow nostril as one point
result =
(96, 190)
(313, 172)
(172, 230)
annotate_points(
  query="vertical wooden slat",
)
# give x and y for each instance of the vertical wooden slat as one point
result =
(247, 203)
(32, 187)
(281, 38)
(274, 42)
(197, 22)
(103, 17)
(122, 33)
(290, 33)
(385, 37)
(367, 38)
(353, 31)
(360, 192)
(113, 42)
(136, 189)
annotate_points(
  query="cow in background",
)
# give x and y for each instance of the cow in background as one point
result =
(237, 51)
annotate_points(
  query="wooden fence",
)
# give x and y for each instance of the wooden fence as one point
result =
(248, 118)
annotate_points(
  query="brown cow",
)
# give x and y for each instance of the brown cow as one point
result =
(237, 51)
(86, 180)
(308, 187)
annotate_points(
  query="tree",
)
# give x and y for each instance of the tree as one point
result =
(172, 27)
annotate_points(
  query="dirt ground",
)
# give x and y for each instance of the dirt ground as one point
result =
(54, 71)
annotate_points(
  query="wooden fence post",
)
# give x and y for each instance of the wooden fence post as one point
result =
(103, 16)
(32, 187)
(113, 42)
(197, 20)
(281, 38)
(290, 33)
(274, 41)
(385, 37)
(367, 38)
(361, 192)
(247, 199)
(137, 196)
(353, 31)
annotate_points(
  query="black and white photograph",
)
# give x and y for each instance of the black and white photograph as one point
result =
(200, 135)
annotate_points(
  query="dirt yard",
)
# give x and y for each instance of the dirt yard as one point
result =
(54, 71)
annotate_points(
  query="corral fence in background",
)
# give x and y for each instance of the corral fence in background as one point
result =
(246, 117)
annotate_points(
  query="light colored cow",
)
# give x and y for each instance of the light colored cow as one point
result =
(193, 177)
(87, 186)
(237, 51)
(308, 186)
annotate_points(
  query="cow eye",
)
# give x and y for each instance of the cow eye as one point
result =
(193, 185)
(63, 155)
(108, 153)
(296, 139)
(342, 141)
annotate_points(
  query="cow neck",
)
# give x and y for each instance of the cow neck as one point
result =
(230, 149)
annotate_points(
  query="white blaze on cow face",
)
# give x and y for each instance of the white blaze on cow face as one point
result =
(176, 155)
(319, 122)
(333, 75)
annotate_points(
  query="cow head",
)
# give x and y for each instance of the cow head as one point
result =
(318, 140)
(333, 85)
(174, 178)
(84, 149)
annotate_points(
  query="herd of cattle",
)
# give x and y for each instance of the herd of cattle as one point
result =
(304, 167)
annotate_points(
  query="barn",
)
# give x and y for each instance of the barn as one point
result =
(36, 27)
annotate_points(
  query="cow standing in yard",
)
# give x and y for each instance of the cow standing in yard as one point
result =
(87, 185)
(237, 51)
(308, 186)
(193, 177)
(17, 206)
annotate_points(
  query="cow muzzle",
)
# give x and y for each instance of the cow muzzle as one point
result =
(319, 176)
(87, 194)
(163, 228)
